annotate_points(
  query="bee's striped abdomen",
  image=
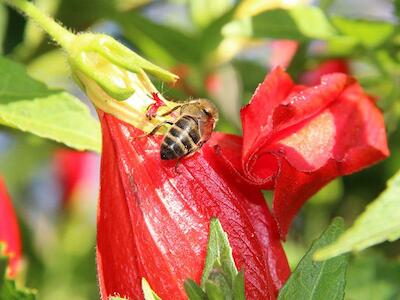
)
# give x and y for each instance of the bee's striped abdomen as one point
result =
(181, 139)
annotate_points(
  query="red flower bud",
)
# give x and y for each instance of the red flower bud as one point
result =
(153, 222)
(9, 230)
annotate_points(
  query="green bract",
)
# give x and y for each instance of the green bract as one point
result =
(109, 63)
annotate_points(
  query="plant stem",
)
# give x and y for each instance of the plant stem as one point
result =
(61, 35)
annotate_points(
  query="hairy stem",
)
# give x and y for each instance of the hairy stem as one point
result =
(61, 35)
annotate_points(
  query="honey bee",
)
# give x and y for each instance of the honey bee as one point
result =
(191, 129)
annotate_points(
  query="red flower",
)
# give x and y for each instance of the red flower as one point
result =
(297, 139)
(154, 222)
(9, 230)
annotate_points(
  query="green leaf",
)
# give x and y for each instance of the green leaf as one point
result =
(325, 4)
(378, 223)
(3, 25)
(193, 291)
(370, 34)
(19, 164)
(159, 43)
(214, 291)
(28, 105)
(318, 280)
(88, 13)
(218, 284)
(8, 288)
(397, 6)
(238, 287)
(341, 45)
(299, 23)
(210, 37)
(219, 257)
(205, 11)
(149, 294)
(220, 279)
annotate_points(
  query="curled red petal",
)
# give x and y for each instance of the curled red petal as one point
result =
(153, 222)
(360, 130)
(257, 121)
(277, 110)
(306, 103)
(9, 230)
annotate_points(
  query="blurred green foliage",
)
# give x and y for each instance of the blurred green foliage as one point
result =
(198, 40)
(8, 287)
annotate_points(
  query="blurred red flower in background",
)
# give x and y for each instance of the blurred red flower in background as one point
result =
(70, 168)
(329, 66)
(9, 230)
(77, 172)
(153, 222)
(282, 52)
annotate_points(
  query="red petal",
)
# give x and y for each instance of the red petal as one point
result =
(306, 103)
(360, 130)
(154, 222)
(9, 230)
(278, 109)
(348, 136)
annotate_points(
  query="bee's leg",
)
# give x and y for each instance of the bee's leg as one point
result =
(154, 130)
(171, 111)
(177, 164)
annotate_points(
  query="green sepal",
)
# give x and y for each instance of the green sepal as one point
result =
(219, 255)
(106, 61)
(238, 287)
(220, 279)
(148, 293)
(194, 291)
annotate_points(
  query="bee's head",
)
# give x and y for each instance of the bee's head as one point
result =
(207, 108)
